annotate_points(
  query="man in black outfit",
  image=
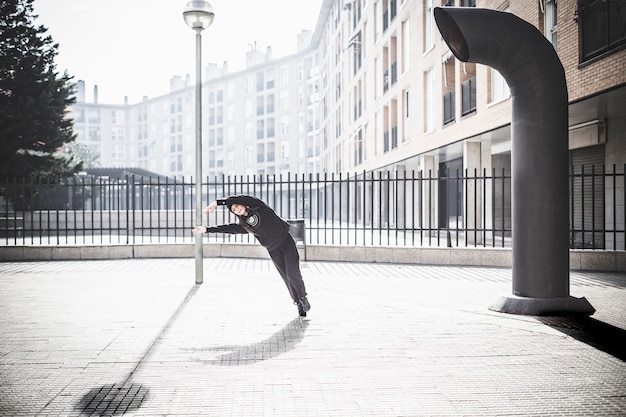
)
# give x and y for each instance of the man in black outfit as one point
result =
(272, 232)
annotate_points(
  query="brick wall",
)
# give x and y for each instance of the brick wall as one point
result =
(581, 82)
(592, 78)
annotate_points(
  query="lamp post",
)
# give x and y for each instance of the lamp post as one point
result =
(198, 15)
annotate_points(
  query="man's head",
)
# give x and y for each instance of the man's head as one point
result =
(238, 209)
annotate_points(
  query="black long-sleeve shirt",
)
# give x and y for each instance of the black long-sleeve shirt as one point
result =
(260, 220)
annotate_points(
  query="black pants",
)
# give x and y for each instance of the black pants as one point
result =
(287, 261)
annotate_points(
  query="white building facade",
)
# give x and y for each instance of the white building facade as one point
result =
(373, 87)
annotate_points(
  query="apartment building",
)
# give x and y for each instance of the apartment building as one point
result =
(259, 121)
(395, 99)
(374, 88)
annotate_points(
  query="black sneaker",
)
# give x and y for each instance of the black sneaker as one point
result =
(303, 306)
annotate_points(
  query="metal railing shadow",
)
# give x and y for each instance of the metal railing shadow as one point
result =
(127, 396)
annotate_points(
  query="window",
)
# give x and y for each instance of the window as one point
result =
(406, 50)
(260, 105)
(284, 75)
(429, 100)
(358, 148)
(449, 88)
(94, 115)
(406, 115)
(393, 59)
(284, 150)
(249, 131)
(219, 138)
(260, 81)
(394, 123)
(357, 100)
(549, 21)
(377, 22)
(602, 26)
(270, 103)
(468, 96)
(448, 107)
(385, 130)
(260, 129)
(428, 25)
(118, 152)
(338, 83)
(79, 115)
(269, 78)
(284, 100)
(117, 135)
(176, 144)
(249, 154)
(385, 15)
(260, 153)
(355, 44)
(499, 87)
(94, 133)
(284, 125)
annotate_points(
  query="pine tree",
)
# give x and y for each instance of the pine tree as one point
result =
(34, 98)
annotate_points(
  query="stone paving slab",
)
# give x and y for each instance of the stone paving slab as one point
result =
(139, 338)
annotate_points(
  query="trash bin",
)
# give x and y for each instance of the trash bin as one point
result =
(297, 231)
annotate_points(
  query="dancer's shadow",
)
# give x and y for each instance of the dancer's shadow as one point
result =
(280, 342)
(595, 333)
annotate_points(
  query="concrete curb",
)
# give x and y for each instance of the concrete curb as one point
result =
(580, 260)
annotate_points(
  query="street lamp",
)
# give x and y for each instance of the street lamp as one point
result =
(198, 15)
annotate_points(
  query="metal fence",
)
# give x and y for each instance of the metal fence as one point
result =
(445, 208)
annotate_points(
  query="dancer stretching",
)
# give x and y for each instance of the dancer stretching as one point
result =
(272, 232)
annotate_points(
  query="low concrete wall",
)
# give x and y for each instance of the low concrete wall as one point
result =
(579, 259)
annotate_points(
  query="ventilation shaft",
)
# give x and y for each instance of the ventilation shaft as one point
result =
(539, 152)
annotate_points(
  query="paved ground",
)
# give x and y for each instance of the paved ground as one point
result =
(138, 337)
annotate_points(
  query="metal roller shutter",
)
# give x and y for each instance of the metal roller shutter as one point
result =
(587, 198)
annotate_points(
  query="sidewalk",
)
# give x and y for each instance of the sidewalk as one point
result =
(139, 338)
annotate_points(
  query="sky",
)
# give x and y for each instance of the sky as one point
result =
(133, 47)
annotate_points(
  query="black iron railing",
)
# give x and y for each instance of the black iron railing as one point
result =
(452, 208)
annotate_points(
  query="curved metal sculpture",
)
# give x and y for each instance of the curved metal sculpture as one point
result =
(539, 151)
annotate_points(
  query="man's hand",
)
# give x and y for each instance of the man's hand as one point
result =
(210, 208)
(198, 230)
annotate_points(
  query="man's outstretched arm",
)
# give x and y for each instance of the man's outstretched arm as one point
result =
(232, 228)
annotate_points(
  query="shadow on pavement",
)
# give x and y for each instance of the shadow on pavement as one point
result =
(280, 342)
(127, 396)
(595, 333)
(113, 399)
